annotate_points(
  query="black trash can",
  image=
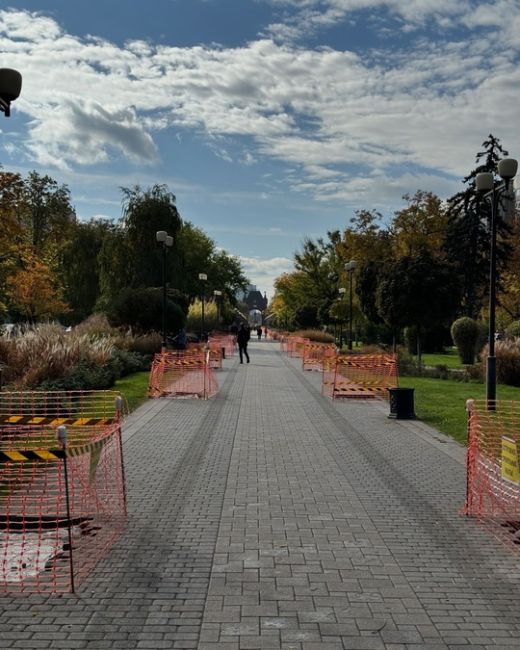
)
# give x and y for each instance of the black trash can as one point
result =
(401, 403)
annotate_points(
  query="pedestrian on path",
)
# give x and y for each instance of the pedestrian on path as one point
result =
(242, 340)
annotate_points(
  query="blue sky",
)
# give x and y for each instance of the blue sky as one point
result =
(269, 120)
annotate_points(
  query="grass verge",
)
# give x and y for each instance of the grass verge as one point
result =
(442, 402)
(134, 388)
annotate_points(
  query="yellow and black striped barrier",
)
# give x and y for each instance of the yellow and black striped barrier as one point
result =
(26, 455)
(54, 421)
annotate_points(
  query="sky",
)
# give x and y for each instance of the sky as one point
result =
(269, 120)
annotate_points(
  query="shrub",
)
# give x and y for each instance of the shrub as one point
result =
(513, 330)
(315, 335)
(465, 333)
(508, 361)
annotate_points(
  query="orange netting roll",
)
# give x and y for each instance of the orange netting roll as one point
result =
(493, 468)
(182, 374)
(314, 355)
(62, 488)
(360, 375)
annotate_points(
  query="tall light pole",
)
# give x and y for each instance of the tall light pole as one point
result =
(166, 242)
(341, 292)
(218, 297)
(202, 277)
(485, 184)
(350, 267)
(10, 88)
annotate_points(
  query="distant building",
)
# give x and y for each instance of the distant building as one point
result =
(253, 298)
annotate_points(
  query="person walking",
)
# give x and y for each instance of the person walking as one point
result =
(242, 340)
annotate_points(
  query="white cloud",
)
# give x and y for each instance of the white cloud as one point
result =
(341, 121)
(264, 271)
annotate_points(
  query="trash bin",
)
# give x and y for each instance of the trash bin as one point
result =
(401, 403)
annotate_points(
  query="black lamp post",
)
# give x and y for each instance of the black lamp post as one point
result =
(166, 242)
(218, 298)
(10, 87)
(485, 183)
(202, 277)
(341, 292)
(350, 267)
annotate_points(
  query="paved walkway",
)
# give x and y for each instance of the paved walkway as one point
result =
(270, 517)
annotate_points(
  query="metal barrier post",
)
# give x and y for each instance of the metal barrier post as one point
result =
(469, 411)
(61, 436)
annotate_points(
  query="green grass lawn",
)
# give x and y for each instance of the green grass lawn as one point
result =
(134, 387)
(442, 402)
(450, 359)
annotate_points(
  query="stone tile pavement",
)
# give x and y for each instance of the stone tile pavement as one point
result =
(271, 517)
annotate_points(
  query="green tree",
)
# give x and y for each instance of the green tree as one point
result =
(80, 266)
(468, 238)
(144, 213)
(419, 292)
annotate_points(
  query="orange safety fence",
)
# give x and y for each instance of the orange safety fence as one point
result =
(296, 345)
(62, 487)
(360, 375)
(493, 468)
(226, 341)
(314, 355)
(182, 373)
(215, 355)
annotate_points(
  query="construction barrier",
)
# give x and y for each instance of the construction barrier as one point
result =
(360, 375)
(62, 487)
(493, 467)
(182, 373)
(314, 354)
(226, 341)
(296, 346)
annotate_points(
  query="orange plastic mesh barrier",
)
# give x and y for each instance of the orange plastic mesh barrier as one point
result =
(296, 345)
(493, 473)
(62, 487)
(360, 375)
(183, 374)
(226, 341)
(314, 355)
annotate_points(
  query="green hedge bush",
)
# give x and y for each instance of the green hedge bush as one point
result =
(465, 333)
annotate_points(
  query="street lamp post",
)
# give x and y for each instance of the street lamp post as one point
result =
(10, 87)
(485, 184)
(218, 297)
(166, 242)
(350, 267)
(202, 277)
(341, 292)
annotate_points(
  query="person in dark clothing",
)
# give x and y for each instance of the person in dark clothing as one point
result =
(181, 339)
(259, 332)
(242, 339)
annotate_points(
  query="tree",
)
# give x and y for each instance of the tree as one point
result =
(79, 266)
(420, 226)
(144, 213)
(419, 292)
(468, 238)
(34, 293)
(49, 213)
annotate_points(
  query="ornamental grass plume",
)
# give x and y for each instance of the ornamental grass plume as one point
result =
(508, 361)
(47, 351)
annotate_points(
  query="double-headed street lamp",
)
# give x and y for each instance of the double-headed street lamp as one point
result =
(202, 277)
(218, 298)
(350, 267)
(166, 242)
(485, 184)
(10, 87)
